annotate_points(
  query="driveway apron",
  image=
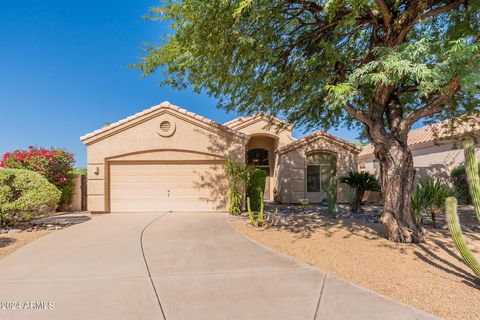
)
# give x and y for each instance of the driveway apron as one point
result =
(174, 266)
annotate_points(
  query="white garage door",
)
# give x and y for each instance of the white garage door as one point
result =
(167, 187)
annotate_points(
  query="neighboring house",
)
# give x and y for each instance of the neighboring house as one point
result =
(169, 159)
(435, 153)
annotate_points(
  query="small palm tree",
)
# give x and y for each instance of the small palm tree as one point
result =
(360, 182)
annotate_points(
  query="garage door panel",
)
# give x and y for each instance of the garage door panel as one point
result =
(167, 187)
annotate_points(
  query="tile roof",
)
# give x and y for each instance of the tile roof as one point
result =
(313, 136)
(431, 133)
(242, 120)
(168, 106)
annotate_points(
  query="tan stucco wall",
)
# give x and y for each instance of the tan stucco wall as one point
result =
(261, 126)
(292, 178)
(139, 141)
(76, 204)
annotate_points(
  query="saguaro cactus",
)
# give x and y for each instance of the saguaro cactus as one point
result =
(471, 168)
(256, 222)
(332, 187)
(458, 239)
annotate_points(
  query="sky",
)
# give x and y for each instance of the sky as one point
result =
(64, 72)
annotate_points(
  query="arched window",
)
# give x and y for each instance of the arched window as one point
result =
(320, 168)
(257, 157)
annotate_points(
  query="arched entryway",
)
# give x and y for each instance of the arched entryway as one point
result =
(260, 153)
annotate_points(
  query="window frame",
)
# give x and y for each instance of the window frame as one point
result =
(312, 160)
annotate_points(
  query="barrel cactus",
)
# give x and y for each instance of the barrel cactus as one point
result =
(471, 168)
(458, 239)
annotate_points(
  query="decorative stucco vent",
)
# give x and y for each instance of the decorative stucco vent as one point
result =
(167, 128)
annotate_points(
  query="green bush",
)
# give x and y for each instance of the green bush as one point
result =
(55, 165)
(256, 187)
(459, 180)
(24, 194)
(238, 175)
(429, 196)
(360, 182)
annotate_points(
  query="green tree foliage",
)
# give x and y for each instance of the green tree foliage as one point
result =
(25, 193)
(360, 182)
(381, 65)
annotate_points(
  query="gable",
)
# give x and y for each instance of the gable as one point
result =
(263, 125)
(316, 137)
(145, 117)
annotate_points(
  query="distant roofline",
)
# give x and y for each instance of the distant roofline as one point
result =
(426, 136)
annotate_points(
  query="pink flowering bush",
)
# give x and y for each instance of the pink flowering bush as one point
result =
(54, 164)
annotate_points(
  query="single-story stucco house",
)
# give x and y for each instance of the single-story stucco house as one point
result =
(434, 152)
(169, 159)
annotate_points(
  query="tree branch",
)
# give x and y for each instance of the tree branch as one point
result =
(439, 10)
(387, 18)
(435, 106)
(420, 17)
(360, 116)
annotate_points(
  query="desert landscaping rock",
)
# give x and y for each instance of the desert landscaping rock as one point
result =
(430, 276)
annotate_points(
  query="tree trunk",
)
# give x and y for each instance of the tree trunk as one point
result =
(396, 179)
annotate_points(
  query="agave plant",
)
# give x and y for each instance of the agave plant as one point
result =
(429, 196)
(360, 182)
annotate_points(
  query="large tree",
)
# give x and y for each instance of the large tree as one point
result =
(381, 65)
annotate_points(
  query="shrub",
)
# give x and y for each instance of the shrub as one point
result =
(256, 187)
(429, 196)
(238, 175)
(360, 182)
(24, 194)
(459, 180)
(53, 164)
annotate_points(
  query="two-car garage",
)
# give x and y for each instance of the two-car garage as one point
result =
(158, 187)
(162, 159)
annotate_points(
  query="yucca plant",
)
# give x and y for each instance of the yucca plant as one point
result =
(429, 196)
(360, 182)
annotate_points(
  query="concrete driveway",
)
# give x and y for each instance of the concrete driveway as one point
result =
(174, 266)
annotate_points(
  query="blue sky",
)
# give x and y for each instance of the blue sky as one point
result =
(64, 72)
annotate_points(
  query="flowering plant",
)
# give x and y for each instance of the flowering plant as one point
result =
(55, 165)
